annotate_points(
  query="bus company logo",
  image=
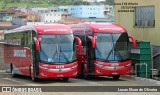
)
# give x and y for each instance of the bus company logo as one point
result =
(50, 30)
(19, 53)
(110, 28)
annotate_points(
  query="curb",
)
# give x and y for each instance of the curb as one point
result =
(142, 79)
(5, 71)
(2, 71)
(8, 70)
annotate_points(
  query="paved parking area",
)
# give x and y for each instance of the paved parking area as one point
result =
(7, 80)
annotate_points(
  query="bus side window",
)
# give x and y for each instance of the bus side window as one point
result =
(23, 39)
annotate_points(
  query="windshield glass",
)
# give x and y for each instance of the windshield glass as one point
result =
(57, 49)
(112, 47)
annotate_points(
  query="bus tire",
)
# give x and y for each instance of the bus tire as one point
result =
(65, 79)
(116, 77)
(33, 78)
(83, 73)
(12, 71)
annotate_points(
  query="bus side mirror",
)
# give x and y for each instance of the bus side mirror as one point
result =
(134, 44)
(79, 42)
(93, 41)
(37, 44)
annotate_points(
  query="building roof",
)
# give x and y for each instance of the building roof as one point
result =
(5, 24)
(71, 21)
(8, 27)
(11, 10)
(23, 14)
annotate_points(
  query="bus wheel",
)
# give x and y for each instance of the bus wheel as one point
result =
(84, 76)
(116, 77)
(12, 72)
(34, 79)
(65, 79)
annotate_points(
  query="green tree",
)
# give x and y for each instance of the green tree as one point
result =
(80, 2)
(109, 2)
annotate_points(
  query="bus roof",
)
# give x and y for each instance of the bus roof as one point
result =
(44, 29)
(100, 27)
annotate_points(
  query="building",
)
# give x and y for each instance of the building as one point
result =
(71, 21)
(52, 14)
(63, 8)
(5, 26)
(6, 18)
(54, 17)
(6, 15)
(87, 11)
(34, 23)
(140, 17)
(27, 17)
(53, 9)
(23, 9)
(108, 10)
(92, 13)
(40, 10)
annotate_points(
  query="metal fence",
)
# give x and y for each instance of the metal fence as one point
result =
(156, 57)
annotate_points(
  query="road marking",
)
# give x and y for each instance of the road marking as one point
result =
(94, 83)
(2, 71)
(9, 79)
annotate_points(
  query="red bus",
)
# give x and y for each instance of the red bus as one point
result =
(42, 51)
(105, 49)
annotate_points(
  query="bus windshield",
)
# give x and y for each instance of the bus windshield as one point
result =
(57, 49)
(112, 47)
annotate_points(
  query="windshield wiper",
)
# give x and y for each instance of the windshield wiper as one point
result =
(55, 53)
(109, 53)
(65, 57)
(119, 55)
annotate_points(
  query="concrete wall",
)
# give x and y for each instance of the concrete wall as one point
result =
(2, 65)
(125, 16)
(126, 19)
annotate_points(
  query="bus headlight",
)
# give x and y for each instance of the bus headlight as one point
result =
(75, 66)
(43, 68)
(128, 65)
(99, 65)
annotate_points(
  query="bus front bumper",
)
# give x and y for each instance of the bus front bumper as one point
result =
(69, 71)
(112, 71)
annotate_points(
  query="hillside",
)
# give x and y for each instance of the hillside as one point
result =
(5, 4)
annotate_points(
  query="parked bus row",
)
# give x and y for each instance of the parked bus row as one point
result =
(60, 51)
